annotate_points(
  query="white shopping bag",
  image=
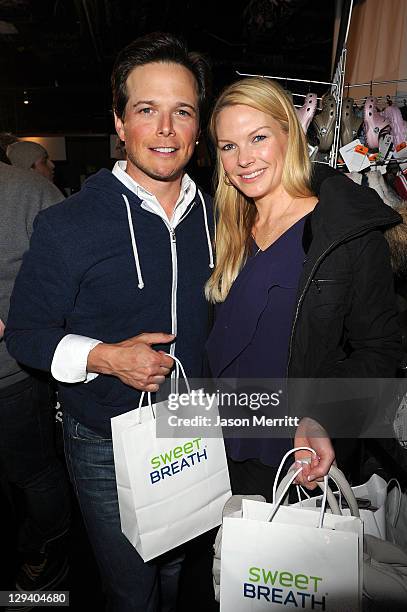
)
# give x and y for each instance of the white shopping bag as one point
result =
(374, 519)
(396, 515)
(293, 561)
(170, 490)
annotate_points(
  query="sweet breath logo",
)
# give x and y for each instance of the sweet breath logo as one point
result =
(186, 456)
(286, 588)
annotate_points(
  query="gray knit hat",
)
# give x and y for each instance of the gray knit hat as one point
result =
(25, 153)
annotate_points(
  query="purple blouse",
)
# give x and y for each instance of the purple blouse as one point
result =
(251, 334)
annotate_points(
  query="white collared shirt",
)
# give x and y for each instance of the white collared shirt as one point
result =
(150, 202)
(71, 355)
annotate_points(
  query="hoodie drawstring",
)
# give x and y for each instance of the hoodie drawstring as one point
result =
(133, 243)
(208, 236)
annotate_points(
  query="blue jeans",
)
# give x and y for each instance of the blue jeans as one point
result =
(130, 584)
(29, 462)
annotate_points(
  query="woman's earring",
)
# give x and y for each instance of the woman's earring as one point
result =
(197, 142)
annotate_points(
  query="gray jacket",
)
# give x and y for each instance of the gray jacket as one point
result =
(23, 193)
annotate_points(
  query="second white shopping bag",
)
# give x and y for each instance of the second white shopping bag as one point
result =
(170, 490)
(299, 559)
(372, 512)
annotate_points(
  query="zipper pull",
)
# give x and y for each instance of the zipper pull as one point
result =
(317, 285)
(173, 237)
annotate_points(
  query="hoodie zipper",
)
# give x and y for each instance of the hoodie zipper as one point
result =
(174, 259)
(174, 284)
(311, 274)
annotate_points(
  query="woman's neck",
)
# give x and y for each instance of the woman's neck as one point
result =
(274, 206)
(273, 219)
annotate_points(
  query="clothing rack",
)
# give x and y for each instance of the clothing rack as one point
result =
(336, 89)
(339, 80)
(280, 78)
(387, 98)
(286, 79)
(381, 97)
(371, 83)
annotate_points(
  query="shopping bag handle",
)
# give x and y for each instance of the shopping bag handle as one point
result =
(342, 484)
(280, 467)
(398, 487)
(331, 499)
(334, 473)
(289, 480)
(138, 414)
(178, 367)
(345, 489)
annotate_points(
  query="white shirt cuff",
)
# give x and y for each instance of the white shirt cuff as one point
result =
(71, 357)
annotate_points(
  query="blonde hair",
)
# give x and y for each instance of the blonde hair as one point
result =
(235, 213)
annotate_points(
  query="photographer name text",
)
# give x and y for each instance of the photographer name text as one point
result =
(252, 421)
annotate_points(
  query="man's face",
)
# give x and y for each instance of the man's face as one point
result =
(45, 167)
(161, 122)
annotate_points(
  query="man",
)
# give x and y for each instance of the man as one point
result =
(113, 274)
(31, 155)
(6, 139)
(28, 458)
(3, 157)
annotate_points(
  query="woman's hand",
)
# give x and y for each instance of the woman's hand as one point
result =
(310, 433)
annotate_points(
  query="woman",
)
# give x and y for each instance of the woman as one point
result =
(302, 283)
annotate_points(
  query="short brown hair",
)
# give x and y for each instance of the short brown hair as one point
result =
(157, 47)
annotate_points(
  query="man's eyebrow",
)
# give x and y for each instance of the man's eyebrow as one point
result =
(150, 102)
(177, 104)
(187, 104)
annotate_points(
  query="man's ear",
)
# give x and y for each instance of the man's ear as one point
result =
(118, 123)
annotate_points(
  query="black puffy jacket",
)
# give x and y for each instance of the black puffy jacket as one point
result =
(345, 323)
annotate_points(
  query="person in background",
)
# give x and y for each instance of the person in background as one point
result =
(29, 465)
(302, 284)
(31, 155)
(3, 157)
(114, 279)
(119, 149)
(6, 138)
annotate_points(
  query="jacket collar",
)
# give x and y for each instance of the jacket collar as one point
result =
(344, 209)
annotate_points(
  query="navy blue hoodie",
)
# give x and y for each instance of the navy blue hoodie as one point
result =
(80, 276)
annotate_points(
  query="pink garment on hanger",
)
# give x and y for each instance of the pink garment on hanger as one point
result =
(374, 122)
(306, 112)
(398, 126)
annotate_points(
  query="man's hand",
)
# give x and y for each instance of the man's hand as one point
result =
(2, 328)
(310, 433)
(133, 361)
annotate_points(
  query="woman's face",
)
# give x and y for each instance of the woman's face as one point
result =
(252, 148)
